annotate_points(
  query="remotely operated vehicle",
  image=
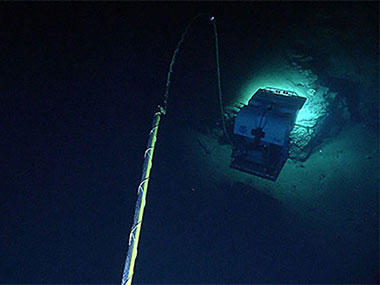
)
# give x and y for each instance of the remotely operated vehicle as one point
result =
(261, 132)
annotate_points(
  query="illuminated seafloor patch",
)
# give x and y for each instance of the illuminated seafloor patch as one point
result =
(323, 112)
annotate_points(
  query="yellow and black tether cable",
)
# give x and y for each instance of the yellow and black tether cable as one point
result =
(148, 158)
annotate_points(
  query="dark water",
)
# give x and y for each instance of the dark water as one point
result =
(79, 85)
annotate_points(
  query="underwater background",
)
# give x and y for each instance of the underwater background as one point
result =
(80, 83)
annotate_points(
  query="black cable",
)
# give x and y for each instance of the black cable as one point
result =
(212, 19)
(168, 80)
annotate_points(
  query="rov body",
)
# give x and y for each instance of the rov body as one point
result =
(261, 132)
